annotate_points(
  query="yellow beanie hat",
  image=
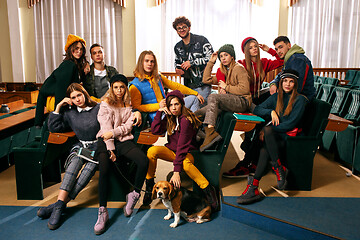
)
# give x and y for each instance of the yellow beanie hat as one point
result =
(73, 38)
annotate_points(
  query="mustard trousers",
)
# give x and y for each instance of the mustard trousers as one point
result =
(165, 153)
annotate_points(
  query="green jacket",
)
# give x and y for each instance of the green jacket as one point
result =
(89, 83)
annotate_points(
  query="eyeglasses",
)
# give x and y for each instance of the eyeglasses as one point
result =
(181, 28)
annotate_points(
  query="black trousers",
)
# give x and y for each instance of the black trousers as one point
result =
(273, 149)
(124, 151)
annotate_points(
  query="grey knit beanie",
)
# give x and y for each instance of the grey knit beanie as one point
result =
(228, 48)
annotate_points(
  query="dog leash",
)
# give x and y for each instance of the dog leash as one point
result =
(118, 169)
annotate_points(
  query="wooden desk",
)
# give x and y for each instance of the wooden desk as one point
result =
(343, 82)
(337, 123)
(28, 97)
(17, 119)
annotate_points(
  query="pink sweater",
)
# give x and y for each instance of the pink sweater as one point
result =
(117, 120)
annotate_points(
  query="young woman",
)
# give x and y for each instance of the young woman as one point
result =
(116, 120)
(71, 70)
(181, 127)
(82, 119)
(257, 69)
(285, 109)
(234, 92)
(147, 89)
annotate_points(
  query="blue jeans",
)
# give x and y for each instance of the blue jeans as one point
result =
(192, 102)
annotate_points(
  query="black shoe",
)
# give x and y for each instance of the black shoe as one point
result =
(212, 197)
(251, 193)
(45, 212)
(54, 221)
(281, 175)
(148, 195)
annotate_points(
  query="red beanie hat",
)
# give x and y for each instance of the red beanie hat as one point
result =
(245, 41)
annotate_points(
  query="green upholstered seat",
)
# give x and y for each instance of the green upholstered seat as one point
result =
(300, 150)
(332, 81)
(347, 141)
(210, 161)
(325, 92)
(337, 98)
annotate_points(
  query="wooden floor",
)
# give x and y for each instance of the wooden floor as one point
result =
(329, 180)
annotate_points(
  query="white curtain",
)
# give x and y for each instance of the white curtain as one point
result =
(328, 30)
(221, 22)
(97, 21)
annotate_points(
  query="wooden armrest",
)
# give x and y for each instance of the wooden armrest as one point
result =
(147, 138)
(337, 123)
(60, 138)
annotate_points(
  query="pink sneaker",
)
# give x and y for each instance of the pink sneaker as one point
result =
(131, 200)
(103, 217)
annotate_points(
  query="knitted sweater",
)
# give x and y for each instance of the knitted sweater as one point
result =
(181, 141)
(136, 98)
(118, 120)
(84, 123)
(237, 80)
(288, 122)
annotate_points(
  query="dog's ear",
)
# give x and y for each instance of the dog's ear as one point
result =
(172, 191)
(153, 196)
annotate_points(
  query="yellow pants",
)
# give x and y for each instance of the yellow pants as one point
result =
(165, 153)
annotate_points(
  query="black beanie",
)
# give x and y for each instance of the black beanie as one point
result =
(228, 48)
(118, 78)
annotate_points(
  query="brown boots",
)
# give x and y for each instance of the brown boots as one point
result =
(211, 137)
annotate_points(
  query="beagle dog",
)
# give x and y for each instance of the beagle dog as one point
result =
(182, 202)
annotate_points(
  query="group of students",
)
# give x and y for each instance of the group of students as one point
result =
(106, 127)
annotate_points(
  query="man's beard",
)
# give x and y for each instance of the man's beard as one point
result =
(185, 35)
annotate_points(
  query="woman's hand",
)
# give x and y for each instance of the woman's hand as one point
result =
(87, 68)
(65, 101)
(107, 135)
(112, 156)
(214, 57)
(274, 118)
(200, 98)
(175, 180)
(264, 47)
(221, 91)
(222, 85)
(163, 107)
(137, 119)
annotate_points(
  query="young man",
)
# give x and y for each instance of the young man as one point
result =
(295, 59)
(192, 54)
(97, 80)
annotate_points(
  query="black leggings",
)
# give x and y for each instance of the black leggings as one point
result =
(105, 164)
(273, 144)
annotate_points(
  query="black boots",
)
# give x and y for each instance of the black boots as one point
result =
(251, 193)
(281, 174)
(149, 187)
(211, 196)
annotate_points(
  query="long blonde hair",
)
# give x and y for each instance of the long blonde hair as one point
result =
(280, 99)
(171, 119)
(249, 67)
(111, 98)
(139, 69)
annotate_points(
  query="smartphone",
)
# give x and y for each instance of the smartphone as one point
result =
(87, 154)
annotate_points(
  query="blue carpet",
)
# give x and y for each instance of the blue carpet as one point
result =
(334, 216)
(22, 223)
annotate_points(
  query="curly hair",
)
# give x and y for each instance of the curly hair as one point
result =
(181, 19)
